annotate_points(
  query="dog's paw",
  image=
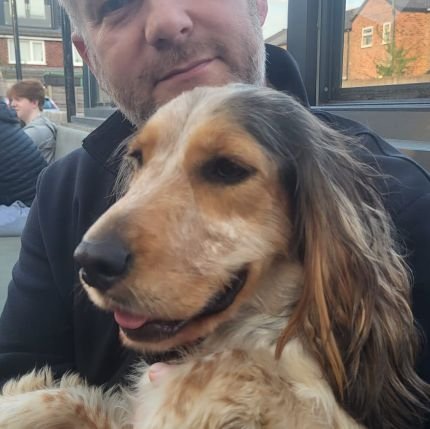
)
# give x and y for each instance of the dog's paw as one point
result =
(37, 401)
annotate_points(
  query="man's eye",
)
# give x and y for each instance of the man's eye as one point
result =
(110, 6)
(225, 171)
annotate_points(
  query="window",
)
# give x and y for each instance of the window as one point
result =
(394, 99)
(386, 33)
(367, 37)
(36, 9)
(31, 13)
(326, 43)
(32, 51)
(30, 9)
(395, 63)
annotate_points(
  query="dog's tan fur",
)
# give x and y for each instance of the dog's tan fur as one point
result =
(325, 305)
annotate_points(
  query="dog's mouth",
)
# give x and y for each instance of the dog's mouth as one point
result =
(140, 328)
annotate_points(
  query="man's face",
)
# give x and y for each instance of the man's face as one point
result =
(24, 108)
(146, 52)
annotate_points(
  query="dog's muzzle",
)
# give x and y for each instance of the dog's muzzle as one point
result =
(143, 329)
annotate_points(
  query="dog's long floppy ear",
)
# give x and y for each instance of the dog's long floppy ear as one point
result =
(354, 311)
(124, 165)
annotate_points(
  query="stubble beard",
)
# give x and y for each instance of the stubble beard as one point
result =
(135, 99)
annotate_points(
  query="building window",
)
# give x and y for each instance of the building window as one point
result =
(399, 58)
(32, 51)
(393, 72)
(366, 37)
(31, 13)
(30, 10)
(386, 33)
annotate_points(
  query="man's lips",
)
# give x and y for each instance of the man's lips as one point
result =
(186, 70)
(142, 328)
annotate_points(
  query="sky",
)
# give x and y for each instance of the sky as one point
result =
(278, 15)
(276, 18)
(351, 4)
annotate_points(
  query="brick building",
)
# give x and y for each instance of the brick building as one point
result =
(41, 46)
(387, 41)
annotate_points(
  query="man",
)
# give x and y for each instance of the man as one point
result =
(143, 54)
(20, 165)
(28, 97)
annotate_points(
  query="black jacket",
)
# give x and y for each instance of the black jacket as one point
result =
(48, 319)
(20, 160)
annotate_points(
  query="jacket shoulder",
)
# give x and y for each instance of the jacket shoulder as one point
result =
(77, 177)
(402, 180)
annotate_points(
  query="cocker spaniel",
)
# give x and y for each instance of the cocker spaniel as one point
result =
(252, 238)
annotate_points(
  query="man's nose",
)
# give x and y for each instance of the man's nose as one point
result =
(104, 262)
(167, 24)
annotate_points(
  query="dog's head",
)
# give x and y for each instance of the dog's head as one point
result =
(203, 219)
(227, 184)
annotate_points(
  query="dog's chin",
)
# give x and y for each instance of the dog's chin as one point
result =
(156, 335)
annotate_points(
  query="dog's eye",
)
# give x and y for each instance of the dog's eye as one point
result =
(137, 156)
(222, 170)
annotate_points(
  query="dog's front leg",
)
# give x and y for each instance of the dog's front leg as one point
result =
(36, 401)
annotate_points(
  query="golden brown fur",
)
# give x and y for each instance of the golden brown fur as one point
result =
(321, 335)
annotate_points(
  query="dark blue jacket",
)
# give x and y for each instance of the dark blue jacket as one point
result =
(20, 160)
(48, 320)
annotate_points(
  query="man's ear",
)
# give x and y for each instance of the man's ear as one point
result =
(81, 47)
(262, 10)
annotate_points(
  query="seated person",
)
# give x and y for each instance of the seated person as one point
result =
(27, 98)
(20, 165)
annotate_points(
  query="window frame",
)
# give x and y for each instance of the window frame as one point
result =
(384, 40)
(329, 56)
(11, 51)
(399, 113)
(364, 36)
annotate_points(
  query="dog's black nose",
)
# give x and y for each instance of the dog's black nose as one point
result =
(103, 262)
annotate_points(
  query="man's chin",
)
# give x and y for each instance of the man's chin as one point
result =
(215, 74)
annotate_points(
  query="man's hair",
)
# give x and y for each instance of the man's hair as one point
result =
(31, 89)
(72, 10)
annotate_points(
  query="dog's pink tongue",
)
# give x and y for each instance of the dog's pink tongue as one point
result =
(129, 321)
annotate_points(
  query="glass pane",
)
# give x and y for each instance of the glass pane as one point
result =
(20, 7)
(24, 46)
(275, 27)
(37, 8)
(37, 52)
(386, 42)
(11, 49)
(36, 63)
(31, 13)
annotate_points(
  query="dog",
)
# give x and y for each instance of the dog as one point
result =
(251, 237)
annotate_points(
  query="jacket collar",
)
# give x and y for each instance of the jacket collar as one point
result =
(282, 73)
